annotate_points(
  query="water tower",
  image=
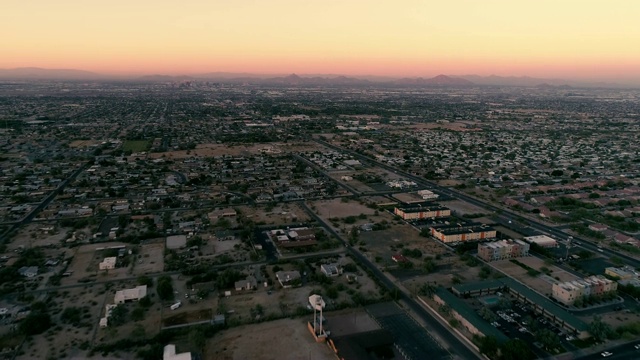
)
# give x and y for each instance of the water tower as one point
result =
(318, 304)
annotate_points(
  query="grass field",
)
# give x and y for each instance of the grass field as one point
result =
(135, 145)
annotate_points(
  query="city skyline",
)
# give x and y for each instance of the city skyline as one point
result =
(580, 40)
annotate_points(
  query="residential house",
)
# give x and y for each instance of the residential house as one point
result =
(330, 269)
(108, 263)
(288, 278)
(249, 283)
(28, 272)
(127, 295)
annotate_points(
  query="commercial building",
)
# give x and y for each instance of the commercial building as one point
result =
(541, 240)
(134, 294)
(428, 195)
(108, 263)
(570, 291)
(459, 233)
(294, 237)
(624, 273)
(503, 249)
(426, 211)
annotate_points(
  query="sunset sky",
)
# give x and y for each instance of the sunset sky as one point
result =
(589, 39)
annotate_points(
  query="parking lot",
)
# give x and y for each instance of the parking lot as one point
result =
(519, 321)
(414, 340)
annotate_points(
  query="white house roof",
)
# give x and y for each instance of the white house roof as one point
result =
(136, 293)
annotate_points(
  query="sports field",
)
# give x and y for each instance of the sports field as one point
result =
(135, 145)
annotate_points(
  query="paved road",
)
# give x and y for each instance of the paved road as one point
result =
(624, 351)
(538, 226)
(32, 214)
(155, 275)
(325, 174)
(455, 345)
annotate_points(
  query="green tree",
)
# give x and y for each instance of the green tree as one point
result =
(35, 323)
(145, 280)
(487, 345)
(516, 349)
(137, 314)
(548, 339)
(428, 266)
(118, 315)
(145, 302)
(197, 338)
(165, 288)
(71, 315)
(599, 329)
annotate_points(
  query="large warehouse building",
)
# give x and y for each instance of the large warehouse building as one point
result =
(542, 240)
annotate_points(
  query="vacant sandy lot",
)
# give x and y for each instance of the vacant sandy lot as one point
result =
(150, 259)
(83, 143)
(85, 263)
(68, 337)
(380, 243)
(286, 213)
(211, 150)
(455, 126)
(336, 208)
(462, 207)
(408, 197)
(275, 340)
(37, 235)
(541, 283)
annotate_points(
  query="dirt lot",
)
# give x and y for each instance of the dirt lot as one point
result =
(37, 235)
(221, 247)
(409, 197)
(615, 319)
(455, 126)
(357, 185)
(379, 243)
(85, 263)
(186, 317)
(462, 207)
(541, 284)
(277, 301)
(292, 341)
(90, 300)
(447, 270)
(150, 259)
(336, 208)
(286, 213)
(83, 143)
(210, 150)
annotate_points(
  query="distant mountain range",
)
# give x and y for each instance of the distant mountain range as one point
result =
(440, 80)
(33, 73)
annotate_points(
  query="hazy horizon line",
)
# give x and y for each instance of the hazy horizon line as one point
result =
(257, 74)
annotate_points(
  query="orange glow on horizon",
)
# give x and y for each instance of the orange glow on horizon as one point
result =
(588, 39)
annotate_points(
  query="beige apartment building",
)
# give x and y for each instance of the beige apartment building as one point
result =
(570, 291)
(422, 212)
(502, 249)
